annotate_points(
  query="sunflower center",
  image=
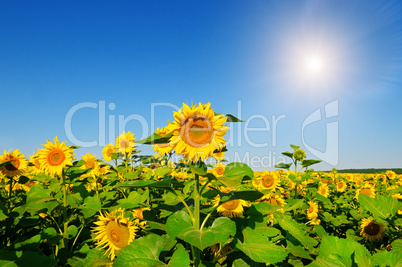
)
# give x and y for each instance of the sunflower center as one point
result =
(366, 192)
(118, 234)
(109, 152)
(268, 181)
(372, 229)
(56, 157)
(90, 164)
(124, 144)
(37, 163)
(311, 209)
(219, 170)
(231, 205)
(323, 191)
(14, 164)
(197, 131)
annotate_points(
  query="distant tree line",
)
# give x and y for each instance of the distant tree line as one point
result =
(396, 170)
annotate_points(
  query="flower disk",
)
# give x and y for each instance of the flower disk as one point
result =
(197, 132)
(371, 230)
(17, 163)
(54, 157)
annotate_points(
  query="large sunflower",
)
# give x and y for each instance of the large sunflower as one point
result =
(233, 208)
(365, 190)
(197, 132)
(107, 152)
(268, 180)
(54, 157)
(125, 143)
(371, 230)
(114, 231)
(162, 149)
(17, 163)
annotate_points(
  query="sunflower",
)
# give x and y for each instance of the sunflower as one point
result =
(341, 186)
(114, 231)
(390, 174)
(125, 143)
(371, 230)
(90, 163)
(314, 221)
(312, 211)
(138, 213)
(323, 190)
(299, 154)
(107, 152)
(54, 157)
(365, 190)
(219, 155)
(197, 132)
(219, 169)
(17, 163)
(272, 199)
(34, 159)
(165, 148)
(269, 180)
(233, 208)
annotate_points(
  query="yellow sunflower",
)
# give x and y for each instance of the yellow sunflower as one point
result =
(233, 208)
(114, 231)
(314, 221)
(312, 211)
(219, 169)
(107, 152)
(54, 157)
(138, 213)
(371, 230)
(197, 132)
(90, 163)
(125, 143)
(219, 155)
(35, 169)
(365, 190)
(299, 154)
(341, 186)
(323, 190)
(268, 180)
(272, 199)
(390, 174)
(17, 163)
(162, 149)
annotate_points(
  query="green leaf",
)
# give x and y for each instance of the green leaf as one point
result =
(294, 147)
(309, 162)
(289, 224)
(259, 248)
(397, 245)
(234, 174)
(160, 172)
(283, 166)
(199, 168)
(298, 251)
(179, 225)
(180, 258)
(165, 184)
(322, 198)
(382, 206)
(388, 258)
(293, 204)
(2, 215)
(155, 139)
(51, 236)
(240, 263)
(91, 206)
(132, 201)
(248, 195)
(96, 257)
(145, 251)
(39, 198)
(263, 208)
(232, 118)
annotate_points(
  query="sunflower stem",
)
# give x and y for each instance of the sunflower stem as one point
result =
(197, 253)
(65, 222)
(10, 193)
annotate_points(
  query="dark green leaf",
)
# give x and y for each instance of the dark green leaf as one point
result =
(232, 118)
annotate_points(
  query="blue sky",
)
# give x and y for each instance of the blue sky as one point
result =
(273, 63)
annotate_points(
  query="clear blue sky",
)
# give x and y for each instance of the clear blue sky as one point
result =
(274, 59)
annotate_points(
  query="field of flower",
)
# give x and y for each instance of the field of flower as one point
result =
(129, 209)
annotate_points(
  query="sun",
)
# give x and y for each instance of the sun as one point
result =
(314, 64)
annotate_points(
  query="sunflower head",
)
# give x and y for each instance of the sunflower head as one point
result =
(371, 230)
(268, 180)
(233, 208)
(197, 132)
(219, 155)
(125, 143)
(341, 186)
(323, 190)
(54, 157)
(17, 163)
(312, 211)
(92, 164)
(114, 231)
(299, 154)
(365, 190)
(107, 152)
(219, 169)
(162, 149)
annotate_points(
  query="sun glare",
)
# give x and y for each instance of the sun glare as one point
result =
(314, 64)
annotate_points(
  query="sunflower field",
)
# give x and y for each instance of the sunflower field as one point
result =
(128, 209)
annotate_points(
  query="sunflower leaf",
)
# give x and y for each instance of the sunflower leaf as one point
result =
(179, 225)
(145, 251)
(155, 139)
(256, 246)
(232, 118)
(387, 258)
(234, 174)
(382, 206)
